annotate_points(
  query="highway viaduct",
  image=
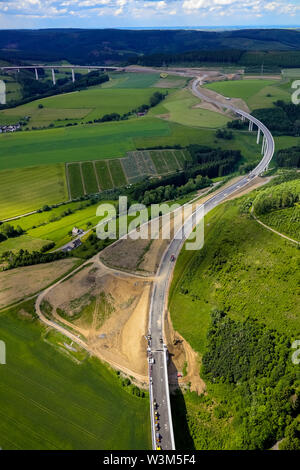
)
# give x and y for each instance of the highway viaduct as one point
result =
(37, 67)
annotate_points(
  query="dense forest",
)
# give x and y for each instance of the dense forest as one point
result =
(262, 379)
(278, 197)
(100, 46)
(271, 60)
(289, 158)
(284, 119)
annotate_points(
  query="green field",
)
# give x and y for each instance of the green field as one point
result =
(84, 105)
(51, 402)
(57, 230)
(104, 176)
(125, 80)
(26, 189)
(184, 136)
(24, 242)
(257, 93)
(53, 225)
(245, 271)
(117, 173)
(97, 142)
(75, 180)
(90, 179)
(179, 107)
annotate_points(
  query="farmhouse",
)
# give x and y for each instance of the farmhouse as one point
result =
(76, 231)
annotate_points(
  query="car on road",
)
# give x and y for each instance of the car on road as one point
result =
(172, 258)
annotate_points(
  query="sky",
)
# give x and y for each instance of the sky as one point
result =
(147, 13)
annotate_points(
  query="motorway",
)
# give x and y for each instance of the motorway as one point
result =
(158, 376)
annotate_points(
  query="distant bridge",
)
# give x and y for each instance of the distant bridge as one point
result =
(36, 67)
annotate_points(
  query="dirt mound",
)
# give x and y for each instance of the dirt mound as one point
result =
(182, 359)
(110, 310)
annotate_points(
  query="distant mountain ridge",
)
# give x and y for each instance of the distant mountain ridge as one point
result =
(97, 46)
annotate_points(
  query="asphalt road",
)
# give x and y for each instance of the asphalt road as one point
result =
(158, 376)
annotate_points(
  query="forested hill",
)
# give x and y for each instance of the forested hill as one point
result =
(112, 45)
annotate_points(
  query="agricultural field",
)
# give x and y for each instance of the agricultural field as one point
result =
(180, 107)
(84, 105)
(223, 276)
(143, 80)
(119, 80)
(75, 180)
(257, 93)
(184, 136)
(84, 177)
(90, 178)
(26, 189)
(104, 176)
(79, 143)
(97, 142)
(58, 230)
(73, 405)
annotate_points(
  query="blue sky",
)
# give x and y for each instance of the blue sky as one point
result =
(146, 13)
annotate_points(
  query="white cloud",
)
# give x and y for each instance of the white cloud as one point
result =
(155, 9)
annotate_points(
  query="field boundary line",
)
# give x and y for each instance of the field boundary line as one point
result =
(112, 181)
(174, 155)
(67, 179)
(121, 163)
(82, 178)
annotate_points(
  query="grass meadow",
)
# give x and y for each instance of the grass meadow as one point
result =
(49, 401)
(180, 107)
(83, 105)
(89, 142)
(257, 93)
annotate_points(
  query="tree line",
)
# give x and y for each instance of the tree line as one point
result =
(284, 119)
